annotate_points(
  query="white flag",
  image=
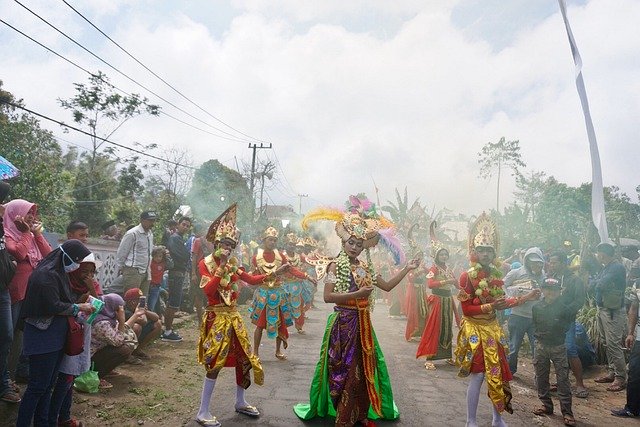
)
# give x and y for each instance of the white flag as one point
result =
(597, 192)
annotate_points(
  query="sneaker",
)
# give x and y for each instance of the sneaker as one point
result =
(72, 422)
(623, 412)
(11, 397)
(172, 337)
(104, 384)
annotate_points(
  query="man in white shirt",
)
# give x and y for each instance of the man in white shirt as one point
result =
(134, 253)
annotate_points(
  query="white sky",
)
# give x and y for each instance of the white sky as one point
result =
(402, 92)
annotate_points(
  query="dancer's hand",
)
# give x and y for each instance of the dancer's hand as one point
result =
(283, 269)
(499, 304)
(364, 291)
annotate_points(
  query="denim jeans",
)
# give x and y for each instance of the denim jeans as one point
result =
(18, 364)
(6, 337)
(633, 380)
(60, 407)
(37, 397)
(518, 327)
(154, 296)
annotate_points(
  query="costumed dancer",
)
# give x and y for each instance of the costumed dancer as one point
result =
(437, 337)
(482, 346)
(293, 286)
(270, 309)
(351, 381)
(416, 298)
(308, 249)
(224, 341)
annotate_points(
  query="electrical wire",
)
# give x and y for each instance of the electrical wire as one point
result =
(161, 112)
(125, 75)
(42, 116)
(156, 75)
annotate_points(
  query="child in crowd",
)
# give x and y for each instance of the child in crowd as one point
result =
(160, 262)
(551, 321)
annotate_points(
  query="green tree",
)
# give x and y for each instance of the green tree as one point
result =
(494, 156)
(215, 187)
(101, 111)
(43, 179)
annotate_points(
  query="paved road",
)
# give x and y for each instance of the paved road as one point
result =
(425, 398)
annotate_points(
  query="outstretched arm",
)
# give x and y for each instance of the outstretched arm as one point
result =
(393, 282)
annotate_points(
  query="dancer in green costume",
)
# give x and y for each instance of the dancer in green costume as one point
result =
(351, 382)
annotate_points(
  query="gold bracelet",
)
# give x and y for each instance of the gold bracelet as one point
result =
(486, 308)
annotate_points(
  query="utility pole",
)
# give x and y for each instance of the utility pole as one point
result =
(300, 196)
(254, 147)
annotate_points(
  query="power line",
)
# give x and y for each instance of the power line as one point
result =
(42, 116)
(283, 174)
(112, 85)
(123, 74)
(156, 75)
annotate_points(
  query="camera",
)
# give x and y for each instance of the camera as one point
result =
(142, 302)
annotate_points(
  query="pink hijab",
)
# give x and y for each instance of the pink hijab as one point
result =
(19, 207)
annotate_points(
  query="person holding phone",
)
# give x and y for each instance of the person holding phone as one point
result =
(26, 244)
(351, 381)
(148, 327)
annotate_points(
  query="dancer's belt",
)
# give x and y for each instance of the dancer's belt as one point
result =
(441, 292)
(222, 308)
(355, 304)
(481, 319)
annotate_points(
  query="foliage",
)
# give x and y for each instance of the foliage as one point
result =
(497, 155)
(214, 188)
(403, 214)
(33, 150)
(102, 111)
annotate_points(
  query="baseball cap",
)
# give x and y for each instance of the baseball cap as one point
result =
(149, 215)
(92, 259)
(132, 294)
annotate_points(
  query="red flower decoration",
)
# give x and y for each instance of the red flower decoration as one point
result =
(476, 301)
(482, 275)
(497, 283)
(485, 292)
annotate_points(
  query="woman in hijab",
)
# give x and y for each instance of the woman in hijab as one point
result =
(47, 304)
(8, 391)
(112, 338)
(27, 245)
(82, 286)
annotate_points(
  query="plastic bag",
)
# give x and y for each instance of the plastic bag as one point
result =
(87, 382)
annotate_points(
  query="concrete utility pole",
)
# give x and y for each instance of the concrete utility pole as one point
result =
(300, 196)
(253, 161)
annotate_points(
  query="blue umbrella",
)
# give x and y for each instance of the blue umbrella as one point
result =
(7, 170)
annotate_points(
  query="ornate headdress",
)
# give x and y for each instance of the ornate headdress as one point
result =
(309, 241)
(270, 232)
(484, 233)
(292, 238)
(361, 220)
(436, 245)
(224, 227)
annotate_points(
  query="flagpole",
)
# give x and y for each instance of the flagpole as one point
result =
(598, 214)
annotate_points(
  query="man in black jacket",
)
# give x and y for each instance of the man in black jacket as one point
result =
(573, 298)
(180, 255)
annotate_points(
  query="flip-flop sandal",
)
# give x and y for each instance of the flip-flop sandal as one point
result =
(542, 411)
(213, 422)
(582, 393)
(616, 387)
(569, 421)
(249, 410)
(281, 356)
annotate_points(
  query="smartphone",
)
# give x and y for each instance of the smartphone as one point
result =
(142, 302)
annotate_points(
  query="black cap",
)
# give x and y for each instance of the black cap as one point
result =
(606, 248)
(149, 215)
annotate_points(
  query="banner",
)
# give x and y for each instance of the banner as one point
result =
(597, 192)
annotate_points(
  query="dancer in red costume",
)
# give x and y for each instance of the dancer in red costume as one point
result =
(437, 337)
(482, 345)
(224, 341)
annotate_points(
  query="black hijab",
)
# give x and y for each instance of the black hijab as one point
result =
(48, 289)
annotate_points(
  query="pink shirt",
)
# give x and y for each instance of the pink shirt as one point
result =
(19, 250)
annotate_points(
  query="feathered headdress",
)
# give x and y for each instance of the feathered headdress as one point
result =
(360, 219)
